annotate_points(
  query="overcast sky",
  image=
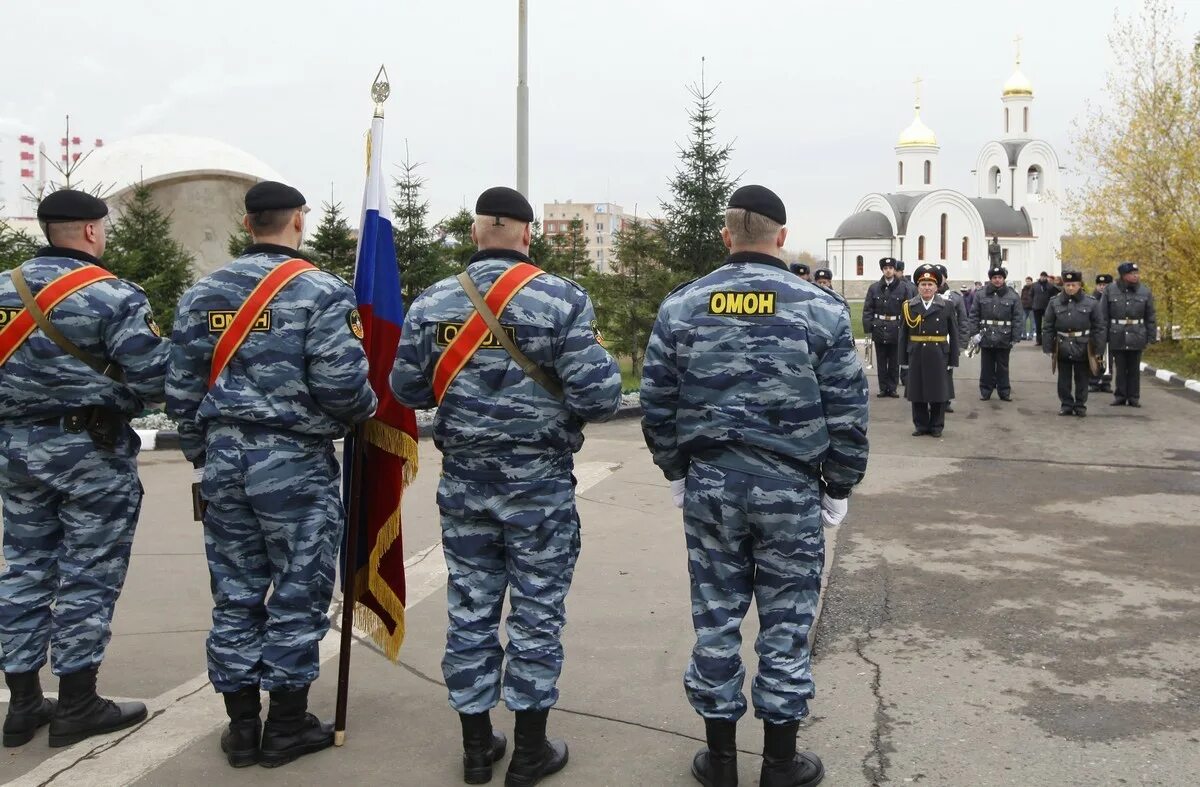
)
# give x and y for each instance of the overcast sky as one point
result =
(812, 95)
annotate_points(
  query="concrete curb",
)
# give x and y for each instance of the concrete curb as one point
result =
(1190, 388)
(164, 440)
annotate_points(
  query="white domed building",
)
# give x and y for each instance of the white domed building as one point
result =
(200, 182)
(1017, 180)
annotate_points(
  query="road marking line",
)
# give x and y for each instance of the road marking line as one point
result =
(182, 715)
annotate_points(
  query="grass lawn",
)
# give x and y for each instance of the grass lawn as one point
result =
(856, 319)
(630, 380)
(1182, 357)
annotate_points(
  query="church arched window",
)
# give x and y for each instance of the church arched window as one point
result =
(1006, 120)
(942, 245)
(921, 247)
(1025, 120)
(966, 248)
(994, 180)
(928, 172)
(1033, 184)
(858, 265)
(900, 172)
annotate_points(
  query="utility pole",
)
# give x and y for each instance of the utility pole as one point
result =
(523, 97)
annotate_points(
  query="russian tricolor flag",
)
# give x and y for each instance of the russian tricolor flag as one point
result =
(389, 461)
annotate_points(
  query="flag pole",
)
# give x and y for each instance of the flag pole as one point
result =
(380, 90)
(350, 585)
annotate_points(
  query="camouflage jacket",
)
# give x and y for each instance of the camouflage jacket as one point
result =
(300, 378)
(110, 319)
(495, 423)
(753, 369)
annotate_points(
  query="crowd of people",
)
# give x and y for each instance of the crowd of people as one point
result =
(1092, 338)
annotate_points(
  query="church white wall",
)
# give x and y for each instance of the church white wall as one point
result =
(962, 220)
(843, 257)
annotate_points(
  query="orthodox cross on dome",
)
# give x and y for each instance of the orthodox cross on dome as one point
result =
(1017, 43)
(917, 86)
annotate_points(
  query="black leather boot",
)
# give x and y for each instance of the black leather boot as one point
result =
(27, 708)
(716, 766)
(82, 712)
(241, 740)
(782, 765)
(533, 755)
(291, 731)
(482, 746)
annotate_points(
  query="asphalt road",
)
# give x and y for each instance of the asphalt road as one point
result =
(1017, 603)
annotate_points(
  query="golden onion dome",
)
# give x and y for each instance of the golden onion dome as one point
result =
(1018, 84)
(917, 134)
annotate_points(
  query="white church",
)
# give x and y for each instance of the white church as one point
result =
(1017, 185)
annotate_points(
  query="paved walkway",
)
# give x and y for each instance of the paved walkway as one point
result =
(1016, 603)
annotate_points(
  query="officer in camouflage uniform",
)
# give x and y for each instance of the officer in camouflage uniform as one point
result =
(262, 437)
(1132, 325)
(755, 409)
(507, 495)
(1073, 321)
(996, 320)
(68, 476)
(1102, 383)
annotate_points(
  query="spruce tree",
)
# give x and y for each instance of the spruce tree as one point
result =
(540, 247)
(141, 249)
(16, 246)
(569, 254)
(628, 297)
(700, 190)
(238, 240)
(334, 246)
(417, 253)
(456, 247)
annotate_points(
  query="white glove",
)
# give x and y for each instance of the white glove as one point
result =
(677, 489)
(833, 511)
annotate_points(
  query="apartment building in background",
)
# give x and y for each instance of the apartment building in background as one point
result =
(601, 222)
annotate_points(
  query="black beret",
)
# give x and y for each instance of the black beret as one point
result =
(799, 268)
(1127, 267)
(928, 272)
(503, 202)
(886, 261)
(269, 195)
(1072, 276)
(823, 273)
(998, 271)
(899, 265)
(70, 205)
(760, 200)
(1104, 278)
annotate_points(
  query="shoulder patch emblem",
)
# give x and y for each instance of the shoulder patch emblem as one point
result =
(742, 304)
(218, 321)
(153, 326)
(354, 320)
(599, 336)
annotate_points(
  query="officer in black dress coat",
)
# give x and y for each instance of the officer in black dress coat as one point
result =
(929, 348)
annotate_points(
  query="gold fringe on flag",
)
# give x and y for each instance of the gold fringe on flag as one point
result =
(401, 444)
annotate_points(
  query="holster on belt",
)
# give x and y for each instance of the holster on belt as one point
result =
(104, 426)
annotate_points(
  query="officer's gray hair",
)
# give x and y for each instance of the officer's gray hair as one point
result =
(750, 229)
(495, 232)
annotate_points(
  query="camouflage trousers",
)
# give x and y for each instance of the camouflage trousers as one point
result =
(69, 515)
(751, 536)
(522, 536)
(274, 521)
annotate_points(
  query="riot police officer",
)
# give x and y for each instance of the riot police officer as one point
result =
(1072, 328)
(729, 404)
(80, 354)
(996, 320)
(258, 413)
(510, 417)
(1132, 324)
(881, 324)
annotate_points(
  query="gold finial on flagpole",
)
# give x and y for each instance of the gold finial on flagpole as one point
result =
(380, 90)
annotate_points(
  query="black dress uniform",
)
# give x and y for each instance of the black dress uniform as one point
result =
(881, 323)
(1102, 383)
(929, 347)
(997, 316)
(960, 310)
(1132, 324)
(1071, 324)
